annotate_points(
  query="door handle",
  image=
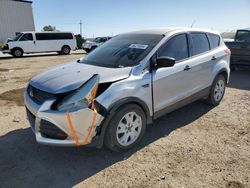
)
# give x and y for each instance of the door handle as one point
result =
(213, 58)
(34, 42)
(187, 68)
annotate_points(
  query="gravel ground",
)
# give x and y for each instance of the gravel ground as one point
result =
(195, 146)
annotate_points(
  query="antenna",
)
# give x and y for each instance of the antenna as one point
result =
(193, 23)
(80, 27)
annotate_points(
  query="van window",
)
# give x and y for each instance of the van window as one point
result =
(199, 43)
(53, 36)
(176, 47)
(214, 40)
(26, 37)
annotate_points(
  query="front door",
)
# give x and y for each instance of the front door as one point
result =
(172, 84)
(27, 43)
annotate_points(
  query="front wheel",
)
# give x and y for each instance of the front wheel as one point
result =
(126, 128)
(17, 52)
(217, 91)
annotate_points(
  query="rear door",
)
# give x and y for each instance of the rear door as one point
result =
(202, 60)
(27, 43)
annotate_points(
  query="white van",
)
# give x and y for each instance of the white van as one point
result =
(37, 42)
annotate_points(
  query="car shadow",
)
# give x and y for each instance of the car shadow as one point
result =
(240, 79)
(24, 163)
(40, 55)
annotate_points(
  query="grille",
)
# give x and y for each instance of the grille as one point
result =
(39, 96)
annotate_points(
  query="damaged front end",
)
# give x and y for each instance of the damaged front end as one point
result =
(71, 120)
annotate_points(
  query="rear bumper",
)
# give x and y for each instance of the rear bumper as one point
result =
(45, 122)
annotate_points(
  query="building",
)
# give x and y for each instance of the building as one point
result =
(15, 16)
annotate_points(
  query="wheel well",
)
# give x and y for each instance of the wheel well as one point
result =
(101, 132)
(65, 46)
(136, 101)
(224, 73)
(16, 48)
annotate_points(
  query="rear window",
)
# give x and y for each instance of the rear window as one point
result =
(200, 43)
(214, 40)
(53, 36)
(243, 36)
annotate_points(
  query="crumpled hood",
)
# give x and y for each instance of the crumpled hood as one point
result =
(70, 76)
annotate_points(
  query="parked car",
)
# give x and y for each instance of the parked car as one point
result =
(240, 48)
(39, 42)
(91, 45)
(115, 91)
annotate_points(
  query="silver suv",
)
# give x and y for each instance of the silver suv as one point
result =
(110, 96)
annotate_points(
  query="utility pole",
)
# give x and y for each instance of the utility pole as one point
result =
(80, 27)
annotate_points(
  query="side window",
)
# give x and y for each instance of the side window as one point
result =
(26, 37)
(41, 36)
(176, 47)
(243, 36)
(199, 43)
(214, 40)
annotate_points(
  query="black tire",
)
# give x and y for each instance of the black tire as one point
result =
(214, 97)
(65, 50)
(93, 47)
(17, 52)
(87, 50)
(111, 140)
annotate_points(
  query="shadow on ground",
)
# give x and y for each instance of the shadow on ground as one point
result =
(24, 163)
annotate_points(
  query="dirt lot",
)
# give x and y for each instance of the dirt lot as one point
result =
(196, 146)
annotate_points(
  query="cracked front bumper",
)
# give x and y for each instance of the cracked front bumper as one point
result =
(84, 128)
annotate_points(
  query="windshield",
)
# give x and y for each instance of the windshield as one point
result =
(97, 40)
(125, 50)
(17, 37)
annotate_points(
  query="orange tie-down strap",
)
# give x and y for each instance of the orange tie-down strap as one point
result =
(89, 132)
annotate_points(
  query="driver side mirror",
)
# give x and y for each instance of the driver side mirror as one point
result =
(163, 61)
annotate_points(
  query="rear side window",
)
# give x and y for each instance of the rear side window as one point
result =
(200, 43)
(214, 40)
(176, 47)
(26, 37)
(53, 36)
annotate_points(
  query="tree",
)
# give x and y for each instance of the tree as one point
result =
(49, 28)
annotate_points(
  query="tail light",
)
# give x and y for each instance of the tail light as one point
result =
(228, 51)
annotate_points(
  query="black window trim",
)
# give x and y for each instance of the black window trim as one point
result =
(37, 33)
(210, 40)
(175, 35)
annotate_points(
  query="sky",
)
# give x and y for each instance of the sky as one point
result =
(111, 17)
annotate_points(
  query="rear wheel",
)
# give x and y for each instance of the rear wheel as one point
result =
(217, 91)
(17, 52)
(126, 128)
(65, 50)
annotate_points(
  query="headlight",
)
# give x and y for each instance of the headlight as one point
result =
(82, 97)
